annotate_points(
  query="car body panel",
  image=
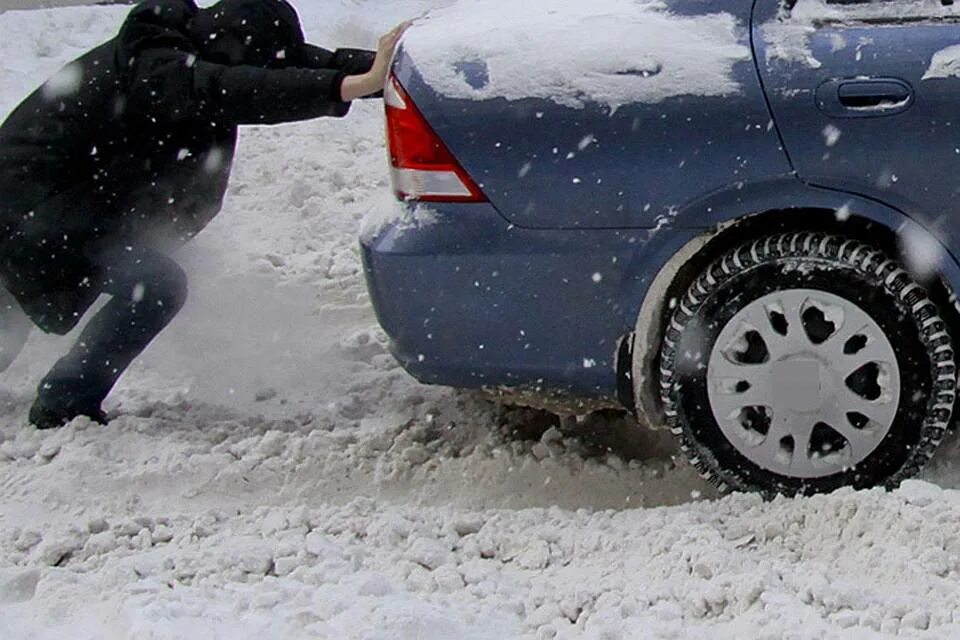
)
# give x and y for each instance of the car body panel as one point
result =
(472, 301)
(549, 166)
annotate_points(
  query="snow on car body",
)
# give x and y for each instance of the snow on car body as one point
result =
(624, 198)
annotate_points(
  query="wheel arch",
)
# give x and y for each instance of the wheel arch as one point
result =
(730, 219)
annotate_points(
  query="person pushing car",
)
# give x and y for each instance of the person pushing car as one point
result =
(125, 154)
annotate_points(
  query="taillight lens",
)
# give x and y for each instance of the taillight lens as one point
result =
(422, 166)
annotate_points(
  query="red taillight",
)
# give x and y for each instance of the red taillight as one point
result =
(422, 166)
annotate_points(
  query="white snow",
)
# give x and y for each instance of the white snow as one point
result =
(403, 216)
(944, 64)
(787, 37)
(921, 252)
(611, 52)
(63, 83)
(273, 474)
(843, 213)
(831, 135)
(789, 41)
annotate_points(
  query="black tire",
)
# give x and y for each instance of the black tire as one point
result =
(843, 267)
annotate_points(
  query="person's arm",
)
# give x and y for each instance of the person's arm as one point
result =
(350, 61)
(170, 85)
(313, 57)
(253, 95)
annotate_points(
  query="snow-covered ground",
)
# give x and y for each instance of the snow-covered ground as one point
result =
(273, 474)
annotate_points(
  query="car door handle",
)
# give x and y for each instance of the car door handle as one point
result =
(873, 94)
(864, 97)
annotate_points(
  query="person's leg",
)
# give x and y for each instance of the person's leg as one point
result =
(148, 290)
(14, 328)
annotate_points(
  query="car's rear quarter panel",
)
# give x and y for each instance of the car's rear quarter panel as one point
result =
(473, 301)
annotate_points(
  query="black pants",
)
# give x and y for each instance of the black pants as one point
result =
(148, 290)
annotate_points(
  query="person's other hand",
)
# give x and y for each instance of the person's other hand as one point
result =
(372, 81)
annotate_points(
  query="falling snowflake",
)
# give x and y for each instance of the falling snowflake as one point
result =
(831, 135)
(920, 251)
(64, 83)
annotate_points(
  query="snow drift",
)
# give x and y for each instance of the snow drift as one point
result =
(272, 473)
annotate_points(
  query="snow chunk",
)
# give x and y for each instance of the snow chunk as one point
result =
(562, 51)
(402, 216)
(789, 42)
(831, 135)
(920, 493)
(788, 36)
(945, 64)
(19, 586)
(843, 213)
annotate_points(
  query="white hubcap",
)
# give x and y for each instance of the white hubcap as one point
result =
(803, 383)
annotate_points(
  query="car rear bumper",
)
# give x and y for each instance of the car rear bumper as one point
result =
(469, 300)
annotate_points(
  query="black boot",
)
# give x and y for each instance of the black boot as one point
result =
(46, 417)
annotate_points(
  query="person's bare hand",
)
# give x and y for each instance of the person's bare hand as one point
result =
(388, 41)
(373, 80)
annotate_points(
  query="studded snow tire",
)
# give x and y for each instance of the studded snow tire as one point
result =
(867, 279)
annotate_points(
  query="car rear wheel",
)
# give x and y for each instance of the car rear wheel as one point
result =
(803, 362)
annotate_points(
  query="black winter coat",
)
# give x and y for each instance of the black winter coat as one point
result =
(132, 143)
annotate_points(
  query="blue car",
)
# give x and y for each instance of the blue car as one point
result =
(737, 219)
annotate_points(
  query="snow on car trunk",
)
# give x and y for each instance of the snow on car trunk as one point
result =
(612, 52)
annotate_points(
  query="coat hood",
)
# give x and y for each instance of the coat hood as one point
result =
(262, 33)
(153, 24)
